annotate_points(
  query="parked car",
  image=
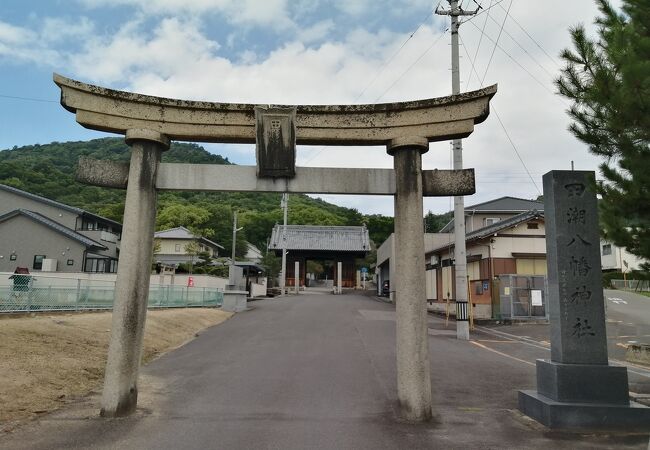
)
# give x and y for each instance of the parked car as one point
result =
(385, 288)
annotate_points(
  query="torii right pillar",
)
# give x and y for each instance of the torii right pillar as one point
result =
(413, 373)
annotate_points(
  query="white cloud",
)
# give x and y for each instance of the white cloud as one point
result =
(173, 46)
(316, 32)
(56, 29)
(24, 45)
(10, 34)
(272, 13)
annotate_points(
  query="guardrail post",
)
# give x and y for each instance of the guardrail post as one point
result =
(29, 293)
(76, 300)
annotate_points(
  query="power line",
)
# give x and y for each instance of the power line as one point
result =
(519, 64)
(412, 65)
(495, 43)
(522, 47)
(479, 43)
(483, 11)
(381, 70)
(31, 99)
(385, 64)
(533, 39)
(514, 147)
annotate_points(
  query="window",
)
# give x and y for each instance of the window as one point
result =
(70, 262)
(38, 262)
(101, 265)
(607, 249)
(13, 257)
(177, 248)
(533, 226)
(490, 220)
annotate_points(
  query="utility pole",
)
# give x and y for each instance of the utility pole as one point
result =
(283, 275)
(460, 252)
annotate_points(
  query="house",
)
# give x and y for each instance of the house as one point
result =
(486, 213)
(46, 235)
(174, 246)
(253, 254)
(510, 246)
(505, 236)
(618, 259)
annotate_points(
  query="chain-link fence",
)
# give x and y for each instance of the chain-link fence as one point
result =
(26, 293)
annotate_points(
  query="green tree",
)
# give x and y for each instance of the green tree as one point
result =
(433, 223)
(272, 264)
(193, 249)
(608, 81)
(192, 217)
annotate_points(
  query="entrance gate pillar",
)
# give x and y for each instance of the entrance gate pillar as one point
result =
(120, 393)
(339, 277)
(296, 277)
(413, 373)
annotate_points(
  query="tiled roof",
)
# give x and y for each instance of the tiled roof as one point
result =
(54, 203)
(72, 234)
(183, 233)
(498, 226)
(328, 238)
(499, 205)
(174, 233)
(507, 204)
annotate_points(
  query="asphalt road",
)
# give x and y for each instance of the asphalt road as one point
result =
(628, 321)
(318, 372)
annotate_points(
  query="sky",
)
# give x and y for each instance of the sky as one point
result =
(307, 52)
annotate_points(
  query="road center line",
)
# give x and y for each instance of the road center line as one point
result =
(500, 353)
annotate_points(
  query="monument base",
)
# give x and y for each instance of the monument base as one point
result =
(583, 396)
(234, 301)
(582, 383)
(602, 416)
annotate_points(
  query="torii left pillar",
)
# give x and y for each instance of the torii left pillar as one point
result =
(120, 394)
(413, 372)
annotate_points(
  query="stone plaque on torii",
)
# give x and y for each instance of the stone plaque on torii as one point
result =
(150, 123)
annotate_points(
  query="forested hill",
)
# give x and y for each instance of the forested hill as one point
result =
(48, 170)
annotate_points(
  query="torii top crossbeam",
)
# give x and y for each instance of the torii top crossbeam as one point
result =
(434, 119)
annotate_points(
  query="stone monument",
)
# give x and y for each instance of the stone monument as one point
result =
(577, 388)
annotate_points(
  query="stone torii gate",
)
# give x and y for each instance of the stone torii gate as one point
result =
(149, 123)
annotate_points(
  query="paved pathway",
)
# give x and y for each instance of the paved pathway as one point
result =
(312, 372)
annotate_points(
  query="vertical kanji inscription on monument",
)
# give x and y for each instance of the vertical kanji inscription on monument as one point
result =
(576, 304)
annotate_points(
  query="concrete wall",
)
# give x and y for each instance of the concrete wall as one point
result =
(168, 246)
(10, 201)
(475, 221)
(258, 289)
(28, 238)
(70, 279)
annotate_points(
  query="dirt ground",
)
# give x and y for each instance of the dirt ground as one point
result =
(48, 360)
